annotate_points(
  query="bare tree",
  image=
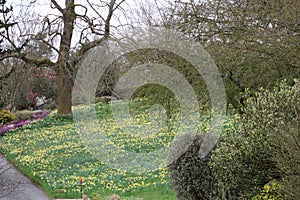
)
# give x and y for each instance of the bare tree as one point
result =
(93, 22)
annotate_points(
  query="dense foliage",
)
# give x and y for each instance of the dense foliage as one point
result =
(258, 156)
(254, 43)
(263, 145)
(270, 191)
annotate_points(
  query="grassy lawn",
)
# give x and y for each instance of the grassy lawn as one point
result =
(52, 154)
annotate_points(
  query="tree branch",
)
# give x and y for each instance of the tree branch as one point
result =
(84, 48)
(108, 18)
(37, 62)
(57, 6)
(95, 10)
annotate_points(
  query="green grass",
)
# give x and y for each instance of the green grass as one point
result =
(51, 153)
(54, 154)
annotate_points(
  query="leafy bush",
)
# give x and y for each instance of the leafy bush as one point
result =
(262, 146)
(191, 176)
(6, 117)
(285, 143)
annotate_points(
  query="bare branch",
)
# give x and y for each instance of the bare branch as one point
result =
(82, 6)
(96, 11)
(118, 5)
(50, 45)
(37, 62)
(109, 16)
(57, 6)
(84, 48)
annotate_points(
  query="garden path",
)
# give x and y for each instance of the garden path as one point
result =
(16, 186)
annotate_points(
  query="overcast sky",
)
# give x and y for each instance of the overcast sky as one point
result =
(25, 12)
(42, 7)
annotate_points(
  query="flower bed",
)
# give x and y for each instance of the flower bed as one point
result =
(36, 115)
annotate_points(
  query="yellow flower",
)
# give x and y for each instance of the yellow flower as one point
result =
(267, 187)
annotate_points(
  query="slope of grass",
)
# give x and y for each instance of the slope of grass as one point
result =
(51, 153)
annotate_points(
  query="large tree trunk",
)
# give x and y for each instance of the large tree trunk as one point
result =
(64, 86)
(65, 70)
